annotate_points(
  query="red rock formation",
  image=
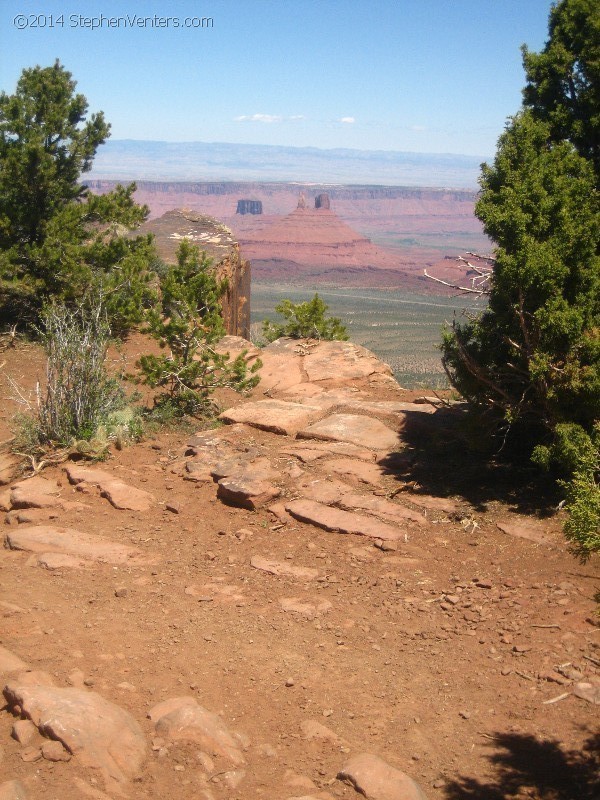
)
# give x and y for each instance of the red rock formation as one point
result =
(316, 237)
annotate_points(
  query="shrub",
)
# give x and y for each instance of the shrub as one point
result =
(305, 321)
(190, 324)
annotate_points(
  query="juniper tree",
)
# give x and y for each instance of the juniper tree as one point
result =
(531, 361)
(56, 238)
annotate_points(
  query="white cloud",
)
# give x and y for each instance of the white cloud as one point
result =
(348, 120)
(418, 128)
(259, 118)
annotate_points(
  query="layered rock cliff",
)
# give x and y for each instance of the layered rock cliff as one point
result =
(217, 241)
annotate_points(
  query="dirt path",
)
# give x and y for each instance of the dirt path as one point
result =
(448, 647)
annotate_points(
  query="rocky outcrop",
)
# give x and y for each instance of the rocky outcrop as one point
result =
(217, 241)
(322, 201)
(249, 207)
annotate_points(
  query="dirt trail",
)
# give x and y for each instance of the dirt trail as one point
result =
(428, 636)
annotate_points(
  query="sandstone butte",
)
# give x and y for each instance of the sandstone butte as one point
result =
(316, 237)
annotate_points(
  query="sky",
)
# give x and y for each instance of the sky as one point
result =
(429, 76)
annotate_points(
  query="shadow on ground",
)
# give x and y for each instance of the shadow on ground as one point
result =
(529, 768)
(450, 458)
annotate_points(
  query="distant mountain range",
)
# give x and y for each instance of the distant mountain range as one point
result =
(129, 159)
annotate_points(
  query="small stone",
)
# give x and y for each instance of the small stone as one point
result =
(465, 714)
(174, 508)
(31, 754)
(54, 751)
(290, 682)
(23, 731)
(121, 592)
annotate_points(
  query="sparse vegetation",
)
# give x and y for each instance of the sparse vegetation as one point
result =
(530, 364)
(305, 321)
(81, 407)
(189, 323)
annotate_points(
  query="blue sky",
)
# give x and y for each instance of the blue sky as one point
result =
(416, 75)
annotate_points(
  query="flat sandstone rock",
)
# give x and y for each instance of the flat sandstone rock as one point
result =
(334, 519)
(353, 428)
(275, 416)
(50, 539)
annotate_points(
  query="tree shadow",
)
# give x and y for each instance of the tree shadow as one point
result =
(527, 767)
(447, 458)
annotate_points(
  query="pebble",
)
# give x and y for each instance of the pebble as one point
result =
(121, 592)
(54, 751)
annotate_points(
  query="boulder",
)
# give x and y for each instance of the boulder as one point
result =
(183, 718)
(375, 779)
(101, 735)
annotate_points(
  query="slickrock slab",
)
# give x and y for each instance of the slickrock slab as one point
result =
(182, 718)
(387, 408)
(342, 361)
(249, 467)
(13, 790)
(101, 735)
(275, 416)
(305, 608)
(374, 778)
(280, 569)
(36, 492)
(52, 561)
(380, 507)
(245, 492)
(533, 532)
(48, 539)
(324, 491)
(353, 428)
(334, 519)
(354, 471)
(119, 494)
(308, 452)
(279, 371)
(9, 662)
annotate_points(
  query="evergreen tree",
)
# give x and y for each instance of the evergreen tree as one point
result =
(57, 239)
(531, 361)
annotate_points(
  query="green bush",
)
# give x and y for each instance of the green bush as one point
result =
(57, 239)
(530, 363)
(304, 321)
(189, 323)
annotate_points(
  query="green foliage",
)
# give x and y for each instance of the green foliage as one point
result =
(305, 321)
(190, 324)
(57, 239)
(81, 401)
(531, 360)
